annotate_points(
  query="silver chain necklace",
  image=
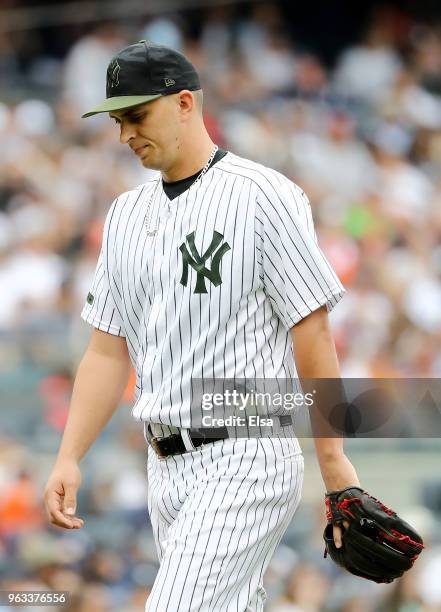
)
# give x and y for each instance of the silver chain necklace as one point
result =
(148, 213)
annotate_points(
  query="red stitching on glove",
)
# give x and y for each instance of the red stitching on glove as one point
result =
(399, 539)
(382, 506)
(406, 538)
(343, 505)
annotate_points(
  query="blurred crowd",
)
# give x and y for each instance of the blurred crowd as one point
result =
(362, 137)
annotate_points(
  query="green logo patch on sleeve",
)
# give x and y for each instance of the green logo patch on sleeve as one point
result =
(89, 298)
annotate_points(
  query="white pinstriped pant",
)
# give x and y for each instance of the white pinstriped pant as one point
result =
(218, 514)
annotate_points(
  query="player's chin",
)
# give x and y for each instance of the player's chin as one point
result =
(146, 158)
(149, 160)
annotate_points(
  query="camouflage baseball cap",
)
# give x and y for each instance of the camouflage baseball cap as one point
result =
(143, 72)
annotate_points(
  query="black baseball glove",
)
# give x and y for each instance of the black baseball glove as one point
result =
(377, 544)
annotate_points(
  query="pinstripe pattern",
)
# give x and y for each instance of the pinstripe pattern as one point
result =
(273, 275)
(218, 512)
(238, 499)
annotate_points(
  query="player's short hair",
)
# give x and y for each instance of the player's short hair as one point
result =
(199, 99)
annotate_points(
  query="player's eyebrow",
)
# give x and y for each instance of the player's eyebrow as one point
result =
(128, 113)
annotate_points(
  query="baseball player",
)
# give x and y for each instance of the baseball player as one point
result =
(209, 270)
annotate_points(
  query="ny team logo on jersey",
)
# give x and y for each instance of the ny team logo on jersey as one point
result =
(113, 75)
(197, 262)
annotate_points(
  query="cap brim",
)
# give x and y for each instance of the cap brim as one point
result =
(119, 103)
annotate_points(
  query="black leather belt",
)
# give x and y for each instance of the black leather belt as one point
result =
(174, 444)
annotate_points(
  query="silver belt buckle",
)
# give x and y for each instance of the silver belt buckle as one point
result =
(163, 431)
(160, 431)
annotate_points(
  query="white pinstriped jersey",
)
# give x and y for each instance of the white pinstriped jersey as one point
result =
(181, 319)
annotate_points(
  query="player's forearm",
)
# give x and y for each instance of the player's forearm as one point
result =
(99, 385)
(316, 359)
(328, 445)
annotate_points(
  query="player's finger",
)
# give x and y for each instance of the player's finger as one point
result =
(56, 516)
(337, 535)
(59, 519)
(77, 522)
(67, 522)
(70, 500)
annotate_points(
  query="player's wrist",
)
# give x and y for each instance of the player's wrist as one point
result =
(338, 473)
(67, 458)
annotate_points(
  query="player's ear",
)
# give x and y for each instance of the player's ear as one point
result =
(186, 102)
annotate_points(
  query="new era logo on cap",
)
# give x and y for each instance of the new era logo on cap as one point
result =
(169, 82)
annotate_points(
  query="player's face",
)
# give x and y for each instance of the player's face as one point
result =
(152, 131)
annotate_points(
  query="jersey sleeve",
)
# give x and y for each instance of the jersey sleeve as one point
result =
(103, 307)
(297, 277)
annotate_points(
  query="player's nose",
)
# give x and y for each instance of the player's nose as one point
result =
(127, 133)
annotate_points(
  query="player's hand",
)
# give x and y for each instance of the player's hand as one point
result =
(60, 495)
(337, 533)
(338, 473)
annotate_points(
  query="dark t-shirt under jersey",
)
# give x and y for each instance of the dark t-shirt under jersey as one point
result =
(175, 188)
